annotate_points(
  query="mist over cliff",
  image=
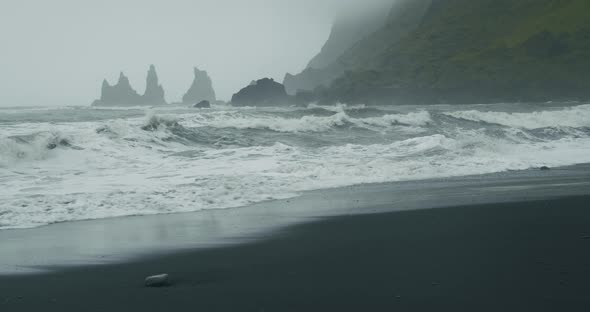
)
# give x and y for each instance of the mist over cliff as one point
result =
(356, 34)
(352, 24)
(462, 51)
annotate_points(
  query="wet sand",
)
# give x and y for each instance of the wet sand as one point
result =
(524, 256)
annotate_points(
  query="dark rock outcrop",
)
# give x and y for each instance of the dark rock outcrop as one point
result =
(265, 92)
(202, 104)
(122, 94)
(154, 92)
(200, 90)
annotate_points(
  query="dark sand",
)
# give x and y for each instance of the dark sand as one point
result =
(532, 256)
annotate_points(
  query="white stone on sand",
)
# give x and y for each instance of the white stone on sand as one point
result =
(157, 280)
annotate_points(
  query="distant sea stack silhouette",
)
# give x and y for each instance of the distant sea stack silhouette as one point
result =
(123, 94)
(201, 89)
(264, 92)
(154, 92)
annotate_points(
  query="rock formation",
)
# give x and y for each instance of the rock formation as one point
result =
(203, 104)
(154, 92)
(122, 94)
(200, 90)
(265, 92)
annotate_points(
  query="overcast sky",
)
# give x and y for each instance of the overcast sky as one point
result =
(57, 52)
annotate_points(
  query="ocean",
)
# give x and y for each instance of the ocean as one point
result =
(60, 164)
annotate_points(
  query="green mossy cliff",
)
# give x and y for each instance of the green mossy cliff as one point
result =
(467, 51)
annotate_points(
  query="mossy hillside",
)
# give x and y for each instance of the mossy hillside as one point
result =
(485, 50)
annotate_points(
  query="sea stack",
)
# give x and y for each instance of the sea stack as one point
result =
(200, 90)
(154, 92)
(123, 94)
(264, 92)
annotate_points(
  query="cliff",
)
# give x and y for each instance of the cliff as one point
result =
(466, 51)
(346, 31)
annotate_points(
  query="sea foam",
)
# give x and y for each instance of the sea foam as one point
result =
(146, 165)
(578, 116)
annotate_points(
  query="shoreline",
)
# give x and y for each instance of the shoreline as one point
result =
(128, 239)
(494, 175)
(528, 255)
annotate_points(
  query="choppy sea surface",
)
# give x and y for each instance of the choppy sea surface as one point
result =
(79, 163)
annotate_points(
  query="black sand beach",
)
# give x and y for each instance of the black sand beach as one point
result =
(527, 256)
(418, 155)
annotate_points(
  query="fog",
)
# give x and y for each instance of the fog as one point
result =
(58, 52)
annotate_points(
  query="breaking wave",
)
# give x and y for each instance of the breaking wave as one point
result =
(32, 147)
(166, 162)
(308, 123)
(155, 122)
(574, 117)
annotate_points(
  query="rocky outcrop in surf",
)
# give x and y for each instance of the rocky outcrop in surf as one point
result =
(203, 104)
(200, 90)
(264, 92)
(123, 94)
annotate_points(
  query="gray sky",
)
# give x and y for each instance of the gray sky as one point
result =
(57, 52)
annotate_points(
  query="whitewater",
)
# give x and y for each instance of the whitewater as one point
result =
(78, 163)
